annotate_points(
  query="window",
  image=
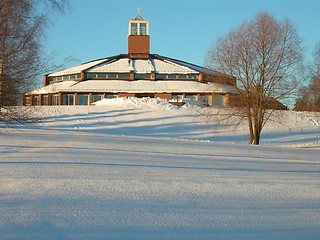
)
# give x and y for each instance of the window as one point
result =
(55, 100)
(112, 75)
(67, 77)
(45, 100)
(172, 76)
(91, 75)
(123, 76)
(176, 97)
(35, 100)
(219, 100)
(205, 99)
(110, 96)
(192, 76)
(175, 76)
(96, 98)
(82, 99)
(134, 29)
(67, 99)
(161, 76)
(182, 76)
(27, 101)
(191, 97)
(143, 29)
(102, 75)
(142, 76)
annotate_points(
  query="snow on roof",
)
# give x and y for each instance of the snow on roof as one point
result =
(53, 88)
(77, 69)
(200, 69)
(143, 66)
(119, 65)
(139, 86)
(164, 66)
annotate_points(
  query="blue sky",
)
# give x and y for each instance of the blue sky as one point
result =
(179, 29)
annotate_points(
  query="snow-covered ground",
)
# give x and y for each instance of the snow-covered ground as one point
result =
(144, 169)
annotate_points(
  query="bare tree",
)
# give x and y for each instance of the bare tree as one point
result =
(263, 55)
(22, 29)
(309, 99)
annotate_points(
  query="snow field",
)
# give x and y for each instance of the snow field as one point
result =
(126, 172)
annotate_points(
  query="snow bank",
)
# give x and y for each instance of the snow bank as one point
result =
(133, 102)
(136, 169)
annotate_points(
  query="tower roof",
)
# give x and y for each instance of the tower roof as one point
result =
(138, 18)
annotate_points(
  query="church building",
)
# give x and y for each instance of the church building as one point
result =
(135, 74)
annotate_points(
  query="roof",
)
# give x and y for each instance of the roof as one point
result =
(138, 86)
(138, 17)
(125, 64)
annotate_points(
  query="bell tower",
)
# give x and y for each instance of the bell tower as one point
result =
(138, 37)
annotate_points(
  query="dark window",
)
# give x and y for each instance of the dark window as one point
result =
(192, 76)
(110, 96)
(45, 100)
(67, 99)
(143, 29)
(176, 97)
(82, 99)
(102, 75)
(172, 76)
(123, 75)
(96, 98)
(134, 29)
(142, 76)
(112, 75)
(91, 75)
(191, 97)
(182, 76)
(55, 100)
(204, 99)
(219, 100)
(161, 76)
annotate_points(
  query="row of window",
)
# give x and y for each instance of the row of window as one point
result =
(67, 77)
(219, 100)
(83, 99)
(139, 29)
(125, 76)
(108, 76)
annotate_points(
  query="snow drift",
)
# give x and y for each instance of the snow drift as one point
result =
(138, 169)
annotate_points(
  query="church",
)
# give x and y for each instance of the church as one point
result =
(135, 74)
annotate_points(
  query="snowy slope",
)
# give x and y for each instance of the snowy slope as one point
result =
(138, 169)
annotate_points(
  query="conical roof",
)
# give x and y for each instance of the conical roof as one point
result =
(123, 63)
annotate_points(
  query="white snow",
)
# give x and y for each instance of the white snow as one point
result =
(77, 69)
(165, 66)
(144, 169)
(137, 86)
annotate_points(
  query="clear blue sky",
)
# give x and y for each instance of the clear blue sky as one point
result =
(179, 29)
